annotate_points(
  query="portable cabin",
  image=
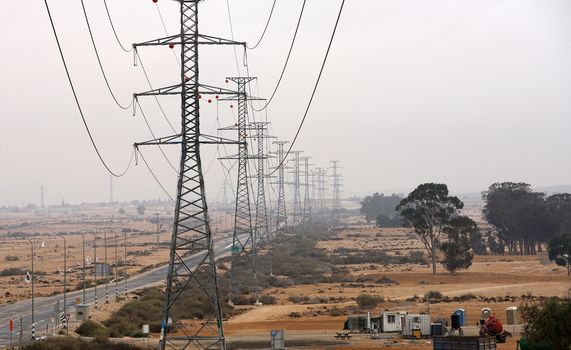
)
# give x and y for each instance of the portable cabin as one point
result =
(392, 321)
(355, 323)
(416, 321)
(512, 315)
(463, 317)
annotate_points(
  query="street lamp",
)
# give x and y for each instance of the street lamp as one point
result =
(33, 298)
(95, 264)
(125, 263)
(64, 283)
(106, 269)
(116, 269)
(83, 264)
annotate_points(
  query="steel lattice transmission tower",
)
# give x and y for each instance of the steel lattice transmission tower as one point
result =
(336, 204)
(243, 239)
(306, 218)
(281, 219)
(321, 174)
(261, 223)
(297, 213)
(191, 271)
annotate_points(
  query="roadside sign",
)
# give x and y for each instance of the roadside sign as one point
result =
(235, 249)
(11, 325)
(67, 316)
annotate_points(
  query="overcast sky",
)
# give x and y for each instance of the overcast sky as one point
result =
(462, 92)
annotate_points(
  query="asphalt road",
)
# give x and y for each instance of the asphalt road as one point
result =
(45, 306)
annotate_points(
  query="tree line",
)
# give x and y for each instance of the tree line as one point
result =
(523, 222)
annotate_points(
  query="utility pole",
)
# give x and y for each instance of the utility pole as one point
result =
(297, 214)
(336, 203)
(281, 220)
(306, 217)
(42, 205)
(262, 230)
(33, 291)
(191, 229)
(243, 239)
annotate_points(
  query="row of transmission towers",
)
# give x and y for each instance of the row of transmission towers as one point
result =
(192, 281)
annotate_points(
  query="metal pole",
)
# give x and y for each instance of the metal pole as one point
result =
(95, 264)
(125, 263)
(83, 265)
(33, 297)
(106, 269)
(11, 330)
(64, 283)
(116, 269)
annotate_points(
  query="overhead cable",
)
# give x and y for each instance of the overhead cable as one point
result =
(116, 174)
(99, 61)
(153, 174)
(113, 27)
(314, 88)
(265, 28)
(286, 61)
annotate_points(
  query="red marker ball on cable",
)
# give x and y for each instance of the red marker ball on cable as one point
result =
(209, 101)
(155, 1)
(171, 46)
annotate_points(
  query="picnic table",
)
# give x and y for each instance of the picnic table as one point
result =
(343, 335)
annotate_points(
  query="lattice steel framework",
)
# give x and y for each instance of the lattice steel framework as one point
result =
(321, 174)
(192, 270)
(306, 218)
(243, 240)
(297, 213)
(281, 220)
(336, 203)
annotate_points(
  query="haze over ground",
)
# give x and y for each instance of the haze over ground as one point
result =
(466, 93)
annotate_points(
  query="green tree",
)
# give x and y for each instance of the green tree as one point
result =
(379, 204)
(457, 251)
(428, 210)
(548, 322)
(559, 251)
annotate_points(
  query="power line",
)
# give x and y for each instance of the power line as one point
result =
(154, 137)
(113, 27)
(153, 174)
(79, 105)
(265, 28)
(286, 61)
(232, 35)
(166, 31)
(151, 86)
(99, 61)
(314, 88)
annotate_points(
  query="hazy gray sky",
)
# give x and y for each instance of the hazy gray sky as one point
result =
(462, 92)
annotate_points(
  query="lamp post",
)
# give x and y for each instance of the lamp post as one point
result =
(106, 269)
(64, 283)
(125, 263)
(83, 263)
(116, 269)
(33, 297)
(95, 264)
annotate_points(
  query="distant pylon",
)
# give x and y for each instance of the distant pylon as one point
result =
(306, 217)
(336, 203)
(243, 239)
(297, 213)
(42, 205)
(281, 219)
(321, 173)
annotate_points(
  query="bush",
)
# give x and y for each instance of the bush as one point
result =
(367, 301)
(387, 280)
(268, 300)
(12, 272)
(433, 295)
(548, 321)
(91, 328)
(12, 258)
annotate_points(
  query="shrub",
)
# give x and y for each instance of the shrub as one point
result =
(368, 301)
(91, 328)
(548, 321)
(433, 295)
(268, 300)
(12, 258)
(387, 280)
(12, 272)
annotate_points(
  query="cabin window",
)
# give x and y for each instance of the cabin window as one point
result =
(391, 318)
(416, 320)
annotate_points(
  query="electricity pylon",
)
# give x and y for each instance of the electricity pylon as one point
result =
(321, 174)
(336, 203)
(262, 233)
(306, 217)
(297, 214)
(192, 270)
(281, 219)
(243, 238)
